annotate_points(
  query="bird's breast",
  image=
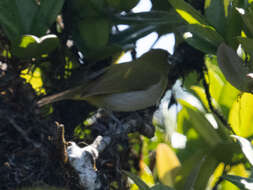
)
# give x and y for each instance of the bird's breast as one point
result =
(129, 101)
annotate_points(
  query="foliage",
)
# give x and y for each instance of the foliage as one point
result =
(60, 43)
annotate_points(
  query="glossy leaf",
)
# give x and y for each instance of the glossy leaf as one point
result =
(137, 181)
(201, 125)
(233, 25)
(215, 15)
(241, 182)
(241, 115)
(161, 187)
(32, 46)
(233, 69)
(46, 15)
(27, 17)
(197, 171)
(220, 89)
(203, 38)
(208, 34)
(200, 92)
(167, 164)
(151, 17)
(187, 12)
(204, 170)
(189, 171)
(247, 19)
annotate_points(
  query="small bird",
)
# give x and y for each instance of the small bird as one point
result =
(124, 87)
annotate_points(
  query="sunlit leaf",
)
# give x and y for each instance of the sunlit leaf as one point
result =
(146, 173)
(31, 46)
(201, 125)
(187, 12)
(241, 115)
(167, 164)
(34, 78)
(137, 180)
(241, 182)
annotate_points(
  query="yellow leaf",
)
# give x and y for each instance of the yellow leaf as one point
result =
(241, 115)
(34, 78)
(167, 164)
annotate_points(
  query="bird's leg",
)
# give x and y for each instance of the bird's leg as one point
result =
(112, 116)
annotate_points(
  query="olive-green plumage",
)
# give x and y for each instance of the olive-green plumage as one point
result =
(125, 87)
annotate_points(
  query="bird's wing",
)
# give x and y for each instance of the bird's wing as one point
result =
(123, 78)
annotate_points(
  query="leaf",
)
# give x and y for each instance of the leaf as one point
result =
(201, 125)
(215, 15)
(31, 46)
(161, 187)
(241, 115)
(94, 32)
(137, 181)
(207, 34)
(46, 16)
(221, 90)
(188, 172)
(133, 33)
(203, 38)
(196, 171)
(241, 182)
(247, 20)
(246, 147)
(233, 26)
(167, 164)
(150, 17)
(207, 167)
(187, 12)
(200, 92)
(19, 17)
(233, 69)
(246, 44)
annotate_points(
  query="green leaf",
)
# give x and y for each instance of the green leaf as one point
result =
(246, 44)
(246, 147)
(206, 33)
(94, 32)
(133, 33)
(241, 115)
(203, 38)
(221, 90)
(247, 20)
(137, 181)
(161, 187)
(233, 26)
(202, 125)
(188, 13)
(204, 170)
(151, 17)
(233, 69)
(241, 182)
(196, 171)
(46, 16)
(31, 46)
(215, 15)
(26, 17)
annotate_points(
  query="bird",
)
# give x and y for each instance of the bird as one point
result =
(124, 87)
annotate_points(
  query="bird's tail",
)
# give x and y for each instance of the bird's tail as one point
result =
(55, 98)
